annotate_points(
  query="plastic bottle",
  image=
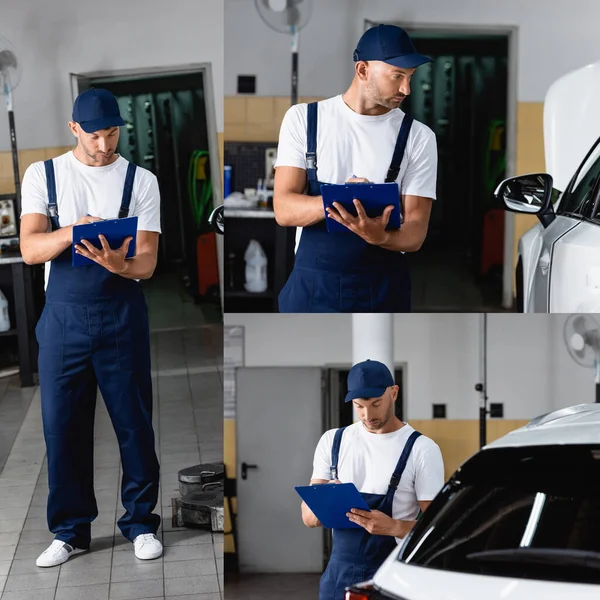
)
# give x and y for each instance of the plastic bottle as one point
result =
(256, 268)
(4, 319)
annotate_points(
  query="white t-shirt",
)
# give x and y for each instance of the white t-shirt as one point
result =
(368, 460)
(83, 190)
(361, 145)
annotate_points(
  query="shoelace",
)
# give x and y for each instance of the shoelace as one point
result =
(146, 537)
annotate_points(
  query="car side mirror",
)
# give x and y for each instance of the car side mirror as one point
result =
(528, 194)
(216, 220)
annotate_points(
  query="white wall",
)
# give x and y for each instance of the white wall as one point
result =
(553, 38)
(529, 369)
(54, 39)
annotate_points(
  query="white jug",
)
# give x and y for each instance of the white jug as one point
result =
(256, 268)
(4, 320)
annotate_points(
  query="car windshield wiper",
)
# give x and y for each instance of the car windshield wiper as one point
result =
(541, 556)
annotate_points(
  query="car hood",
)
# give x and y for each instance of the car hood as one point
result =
(571, 122)
(408, 582)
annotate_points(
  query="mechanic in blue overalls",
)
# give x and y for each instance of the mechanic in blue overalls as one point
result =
(397, 470)
(94, 330)
(359, 136)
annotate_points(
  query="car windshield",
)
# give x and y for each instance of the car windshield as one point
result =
(579, 200)
(516, 512)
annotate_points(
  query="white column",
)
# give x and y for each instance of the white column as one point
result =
(373, 337)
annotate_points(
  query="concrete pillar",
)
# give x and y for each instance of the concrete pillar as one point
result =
(373, 337)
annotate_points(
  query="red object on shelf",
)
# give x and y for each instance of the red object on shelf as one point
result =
(492, 244)
(208, 266)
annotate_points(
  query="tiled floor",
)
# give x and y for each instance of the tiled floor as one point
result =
(293, 586)
(443, 282)
(187, 372)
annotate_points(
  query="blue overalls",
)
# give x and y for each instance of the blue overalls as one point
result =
(94, 332)
(341, 272)
(357, 554)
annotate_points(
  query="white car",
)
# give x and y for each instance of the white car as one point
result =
(519, 520)
(558, 267)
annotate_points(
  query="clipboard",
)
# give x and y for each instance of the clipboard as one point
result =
(373, 196)
(115, 231)
(330, 503)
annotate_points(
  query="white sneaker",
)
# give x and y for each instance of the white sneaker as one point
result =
(56, 554)
(147, 547)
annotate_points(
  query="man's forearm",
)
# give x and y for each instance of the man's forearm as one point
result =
(38, 248)
(402, 528)
(409, 238)
(140, 267)
(308, 517)
(298, 210)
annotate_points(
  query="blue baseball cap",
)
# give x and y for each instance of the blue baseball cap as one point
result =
(389, 44)
(368, 379)
(97, 109)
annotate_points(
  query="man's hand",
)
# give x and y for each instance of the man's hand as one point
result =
(112, 260)
(378, 523)
(372, 230)
(87, 220)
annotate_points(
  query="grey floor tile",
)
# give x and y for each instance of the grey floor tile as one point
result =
(30, 550)
(184, 553)
(11, 525)
(89, 560)
(31, 581)
(3, 579)
(21, 492)
(192, 585)
(92, 592)
(4, 567)
(187, 538)
(195, 597)
(136, 590)
(13, 513)
(36, 524)
(16, 502)
(137, 572)
(35, 537)
(7, 552)
(45, 594)
(84, 576)
(190, 568)
(24, 566)
(9, 539)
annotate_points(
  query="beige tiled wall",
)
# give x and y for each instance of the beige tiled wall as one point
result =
(256, 118)
(26, 158)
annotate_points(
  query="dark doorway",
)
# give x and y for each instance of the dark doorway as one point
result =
(462, 96)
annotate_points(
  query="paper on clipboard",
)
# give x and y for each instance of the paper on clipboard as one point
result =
(373, 196)
(115, 231)
(331, 502)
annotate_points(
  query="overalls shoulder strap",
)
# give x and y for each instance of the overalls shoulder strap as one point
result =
(399, 150)
(51, 186)
(127, 190)
(335, 452)
(395, 480)
(311, 144)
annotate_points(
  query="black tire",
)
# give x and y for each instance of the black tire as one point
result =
(519, 305)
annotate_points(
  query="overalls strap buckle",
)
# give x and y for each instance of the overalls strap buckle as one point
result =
(399, 149)
(395, 480)
(51, 188)
(127, 191)
(311, 140)
(335, 452)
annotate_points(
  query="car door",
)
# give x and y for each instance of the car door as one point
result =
(571, 253)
